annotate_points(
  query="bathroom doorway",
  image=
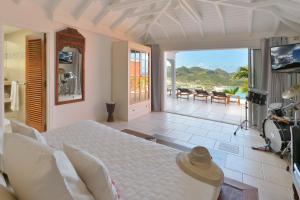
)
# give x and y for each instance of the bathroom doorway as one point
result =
(25, 77)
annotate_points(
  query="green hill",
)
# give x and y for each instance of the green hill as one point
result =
(198, 77)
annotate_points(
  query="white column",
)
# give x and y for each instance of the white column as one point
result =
(163, 77)
(173, 76)
(1, 77)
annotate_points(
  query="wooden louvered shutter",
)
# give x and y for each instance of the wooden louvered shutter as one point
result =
(36, 82)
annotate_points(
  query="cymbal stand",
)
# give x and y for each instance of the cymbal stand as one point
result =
(245, 122)
(288, 147)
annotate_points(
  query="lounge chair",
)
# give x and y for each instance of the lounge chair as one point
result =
(183, 92)
(219, 96)
(169, 91)
(201, 94)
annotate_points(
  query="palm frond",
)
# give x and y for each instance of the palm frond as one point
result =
(232, 90)
(241, 73)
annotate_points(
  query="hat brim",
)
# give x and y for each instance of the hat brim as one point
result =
(209, 172)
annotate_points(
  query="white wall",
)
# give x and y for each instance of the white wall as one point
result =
(97, 84)
(97, 66)
(1, 78)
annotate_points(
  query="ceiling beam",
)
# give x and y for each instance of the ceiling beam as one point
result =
(51, 8)
(196, 20)
(241, 4)
(141, 34)
(256, 4)
(103, 12)
(220, 14)
(81, 8)
(132, 4)
(149, 38)
(17, 1)
(288, 4)
(163, 30)
(292, 25)
(275, 11)
(176, 21)
(144, 13)
(190, 8)
(266, 6)
(121, 18)
(276, 26)
(253, 5)
(227, 3)
(141, 21)
(284, 19)
(261, 4)
(156, 18)
(250, 21)
(100, 16)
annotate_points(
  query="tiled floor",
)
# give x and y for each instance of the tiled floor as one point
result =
(265, 171)
(231, 113)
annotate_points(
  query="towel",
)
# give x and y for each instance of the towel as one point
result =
(14, 96)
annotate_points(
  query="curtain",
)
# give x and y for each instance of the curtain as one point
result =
(266, 80)
(278, 82)
(256, 81)
(156, 79)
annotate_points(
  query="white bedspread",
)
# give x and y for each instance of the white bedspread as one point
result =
(143, 170)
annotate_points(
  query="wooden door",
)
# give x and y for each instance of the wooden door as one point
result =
(36, 81)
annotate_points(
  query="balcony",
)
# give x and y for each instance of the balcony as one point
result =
(232, 112)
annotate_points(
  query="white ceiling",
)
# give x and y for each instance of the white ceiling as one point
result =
(179, 20)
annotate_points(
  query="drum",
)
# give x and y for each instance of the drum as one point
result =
(277, 134)
(276, 109)
(257, 96)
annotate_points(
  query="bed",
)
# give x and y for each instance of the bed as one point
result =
(143, 170)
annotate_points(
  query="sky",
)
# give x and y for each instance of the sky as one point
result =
(227, 59)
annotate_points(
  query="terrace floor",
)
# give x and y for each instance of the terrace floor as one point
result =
(231, 113)
(233, 154)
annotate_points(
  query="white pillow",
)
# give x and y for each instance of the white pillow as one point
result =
(23, 129)
(38, 172)
(5, 194)
(93, 172)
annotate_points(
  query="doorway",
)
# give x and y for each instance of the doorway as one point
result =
(25, 77)
(208, 84)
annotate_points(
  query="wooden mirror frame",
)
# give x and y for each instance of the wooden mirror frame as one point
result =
(69, 37)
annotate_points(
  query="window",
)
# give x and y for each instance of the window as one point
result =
(139, 76)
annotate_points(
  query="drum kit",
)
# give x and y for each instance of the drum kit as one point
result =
(277, 125)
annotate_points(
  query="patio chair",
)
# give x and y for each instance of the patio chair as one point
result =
(219, 96)
(169, 91)
(183, 92)
(201, 94)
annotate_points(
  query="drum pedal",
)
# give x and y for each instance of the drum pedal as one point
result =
(263, 148)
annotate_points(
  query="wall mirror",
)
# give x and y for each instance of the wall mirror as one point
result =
(70, 49)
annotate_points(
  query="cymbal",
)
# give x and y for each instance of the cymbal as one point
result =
(291, 92)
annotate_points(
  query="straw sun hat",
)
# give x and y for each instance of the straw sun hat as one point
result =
(199, 165)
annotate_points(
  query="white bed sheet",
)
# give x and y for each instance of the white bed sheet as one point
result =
(143, 170)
